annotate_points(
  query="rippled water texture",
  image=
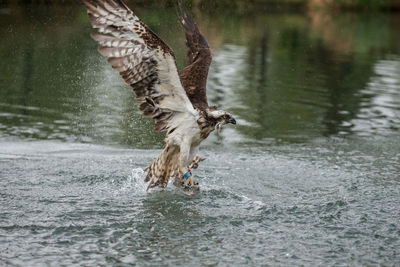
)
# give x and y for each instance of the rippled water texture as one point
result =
(309, 176)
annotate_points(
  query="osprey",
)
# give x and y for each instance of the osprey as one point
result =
(177, 101)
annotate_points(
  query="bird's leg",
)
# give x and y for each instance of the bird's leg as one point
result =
(182, 178)
(184, 168)
(195, 162)
(188, 179)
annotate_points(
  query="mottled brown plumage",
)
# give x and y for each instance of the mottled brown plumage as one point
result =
(177, 102)
(194, 76)
(131, 47)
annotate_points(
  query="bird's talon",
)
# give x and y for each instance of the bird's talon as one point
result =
(188, 180)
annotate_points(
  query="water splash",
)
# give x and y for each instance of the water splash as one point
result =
(135, 181)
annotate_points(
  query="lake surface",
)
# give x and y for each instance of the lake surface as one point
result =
(309, 176)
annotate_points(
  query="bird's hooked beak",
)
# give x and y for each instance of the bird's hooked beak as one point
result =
(231, 120)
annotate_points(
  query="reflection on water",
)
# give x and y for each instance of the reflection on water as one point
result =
(291, 77)
(380, 106)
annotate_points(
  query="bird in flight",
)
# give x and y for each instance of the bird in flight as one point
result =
(176, 100)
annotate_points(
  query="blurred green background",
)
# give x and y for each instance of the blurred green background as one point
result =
(287, 72)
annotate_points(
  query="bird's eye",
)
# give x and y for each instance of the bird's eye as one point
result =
(225, 117)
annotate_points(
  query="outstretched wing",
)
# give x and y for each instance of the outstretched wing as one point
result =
(194, 76)
(143, 60)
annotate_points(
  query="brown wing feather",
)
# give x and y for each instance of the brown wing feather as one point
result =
(194, 76)
(143, 60)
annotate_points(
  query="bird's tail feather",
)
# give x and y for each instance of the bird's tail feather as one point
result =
(163, 167)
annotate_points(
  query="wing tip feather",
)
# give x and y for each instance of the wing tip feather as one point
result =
(89, 7)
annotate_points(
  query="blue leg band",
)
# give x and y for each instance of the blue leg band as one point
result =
(187, 175)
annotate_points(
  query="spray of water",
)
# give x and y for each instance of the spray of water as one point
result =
(135, 181)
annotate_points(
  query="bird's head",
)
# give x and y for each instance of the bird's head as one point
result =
(221, 118)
